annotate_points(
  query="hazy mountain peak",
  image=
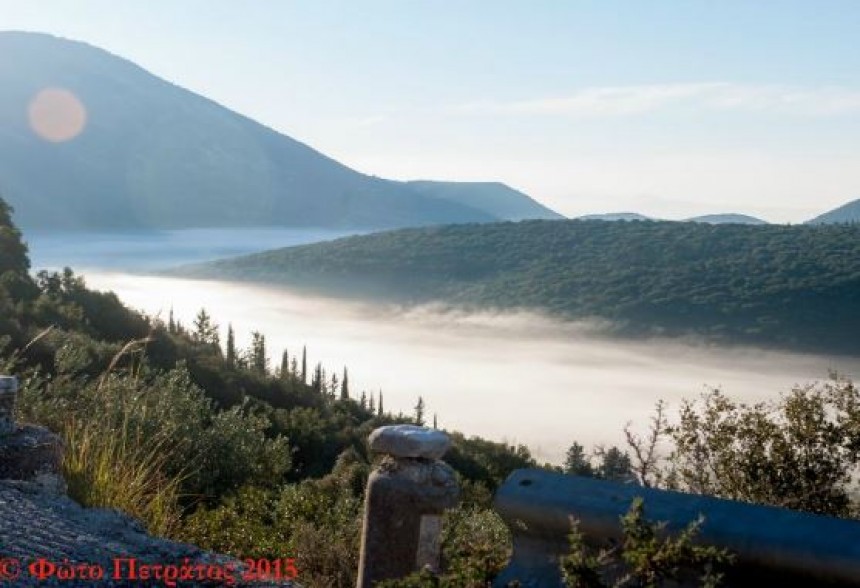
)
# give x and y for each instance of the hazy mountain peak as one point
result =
(847, 213)
(727, 218)
(495, 197)
(151, 154)
(616, 216)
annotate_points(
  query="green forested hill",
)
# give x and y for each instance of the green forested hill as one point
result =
(788, 286)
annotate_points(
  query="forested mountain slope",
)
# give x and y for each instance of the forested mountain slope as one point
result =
(847, 213)
(789, 286)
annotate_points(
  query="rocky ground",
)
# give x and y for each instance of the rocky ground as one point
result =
(46, 536)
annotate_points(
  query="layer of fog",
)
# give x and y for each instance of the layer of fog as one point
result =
(154, 250)
(521, 377)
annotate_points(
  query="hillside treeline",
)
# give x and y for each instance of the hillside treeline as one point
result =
(795, 287)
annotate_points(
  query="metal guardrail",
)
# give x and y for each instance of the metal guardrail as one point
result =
(771, 544)
(411, 488)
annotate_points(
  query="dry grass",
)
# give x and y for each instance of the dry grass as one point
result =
(115, 469)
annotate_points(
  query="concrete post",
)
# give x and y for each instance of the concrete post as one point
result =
(405, 498)
(8, 395)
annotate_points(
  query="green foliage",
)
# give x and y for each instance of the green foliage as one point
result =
(258, 361)
(607, 463)
(791, 286)
(230, 353)
(205, 330)
(576, 462)
(476, 545)
(800, 452)
(647, 557)
(214, 450)
(486, 461)
(318, 522)
(614, 465)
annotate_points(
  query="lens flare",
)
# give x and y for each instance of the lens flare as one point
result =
(57, 115)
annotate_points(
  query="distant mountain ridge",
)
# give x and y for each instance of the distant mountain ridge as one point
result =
(616, 216)
(157, 156)
(847, 213)
(713, 219)
(502, 200)
(727, 218)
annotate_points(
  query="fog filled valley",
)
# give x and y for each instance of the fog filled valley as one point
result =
(413, 296)
(519, 377)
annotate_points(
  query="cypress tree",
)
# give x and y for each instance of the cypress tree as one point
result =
(231, 345)
(363, 401)
(205, 331)
(259, 361)
(285, 366)
(419, 412)
(344, 386)
(304, 364)
(372, 406)
(379, 409)
(317, 379)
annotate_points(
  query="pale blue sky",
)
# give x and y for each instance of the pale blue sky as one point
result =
(666, 108)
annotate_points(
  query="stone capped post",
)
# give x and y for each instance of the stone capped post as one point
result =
(8, 395)
(406, 496)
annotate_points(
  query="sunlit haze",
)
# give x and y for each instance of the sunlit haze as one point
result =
(667, 109)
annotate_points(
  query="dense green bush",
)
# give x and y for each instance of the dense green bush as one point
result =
(317, 522)
(801, 451)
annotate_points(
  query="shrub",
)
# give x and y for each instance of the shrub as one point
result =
(800, 451)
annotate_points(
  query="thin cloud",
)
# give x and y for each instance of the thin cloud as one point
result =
(365, 121)
(609, 101)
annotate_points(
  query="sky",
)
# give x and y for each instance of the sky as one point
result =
(667, 108)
